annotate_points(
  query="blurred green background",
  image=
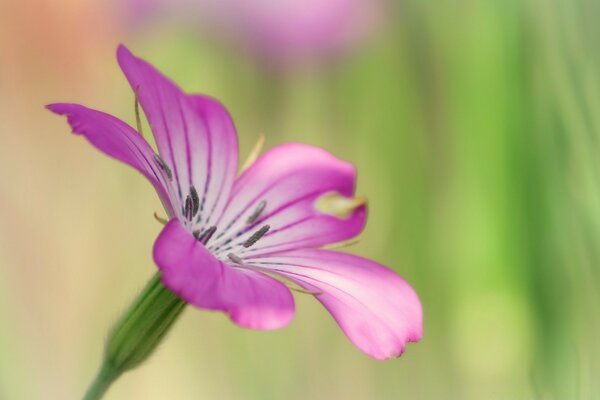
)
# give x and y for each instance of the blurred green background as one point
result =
(475, 128)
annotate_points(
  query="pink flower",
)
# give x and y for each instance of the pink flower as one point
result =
(296, 29)
(283, 31)
(237, 243)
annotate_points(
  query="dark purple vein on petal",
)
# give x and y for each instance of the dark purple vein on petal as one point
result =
(187, 141)
(208, 164)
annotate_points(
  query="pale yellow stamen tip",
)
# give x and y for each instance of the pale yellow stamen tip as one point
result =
(162, 220)
(253, 153)
(335, 204)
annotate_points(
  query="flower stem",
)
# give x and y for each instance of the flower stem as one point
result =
(101, 384)
(137, 334)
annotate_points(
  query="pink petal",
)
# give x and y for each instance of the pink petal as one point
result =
(252, 299)
(377, 310)
(194, 134)
(289, 179)
(116, 139)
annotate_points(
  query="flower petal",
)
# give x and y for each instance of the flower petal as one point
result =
(116, 139)
(375, 307)
(194, 135)
(252, 299)
(289, 180)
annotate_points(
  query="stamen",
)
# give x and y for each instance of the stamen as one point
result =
(235, 258)
(187, 211)
(259, 209)
(162, 220)
(206, 235)
(195, 200)
(256, 236)
(253, 153)
(163, 166)
(138, 120)
(196, 234)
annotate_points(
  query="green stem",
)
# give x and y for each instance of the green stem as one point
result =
(137, 334)
(101, 384)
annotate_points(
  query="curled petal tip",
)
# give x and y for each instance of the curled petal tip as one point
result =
(122, 49)
(124, 55)
(56, 108)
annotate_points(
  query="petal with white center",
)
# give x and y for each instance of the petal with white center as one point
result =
(194, 135)
(377, 310)
(285, 187)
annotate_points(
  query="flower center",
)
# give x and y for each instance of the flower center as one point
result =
(223, 250)
(204, 236)
(189, 211)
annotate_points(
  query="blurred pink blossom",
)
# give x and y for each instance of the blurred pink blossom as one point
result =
(279, 31)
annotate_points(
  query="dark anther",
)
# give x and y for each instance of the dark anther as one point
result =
(235, 258)
(195, 200)
(256, 236)
(187, 210)
(163, 166)
(259, 209)
(196, 234)
(206, 235)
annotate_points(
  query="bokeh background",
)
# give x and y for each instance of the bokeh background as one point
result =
(475, 126)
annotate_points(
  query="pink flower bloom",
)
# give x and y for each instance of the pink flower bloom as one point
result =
(296, 29)
(232, 243)
(280, 31)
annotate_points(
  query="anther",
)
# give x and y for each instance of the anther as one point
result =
(163, 166)
(235, 258)
(195, 200)
(206, 235)
(259, 209)
(196, 234)
(187, 211)
(256, 236)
